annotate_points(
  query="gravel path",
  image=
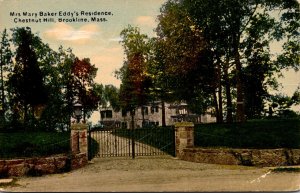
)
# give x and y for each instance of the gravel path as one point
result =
(159, 174)
(110, 144)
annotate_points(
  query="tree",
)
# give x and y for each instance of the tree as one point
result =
(260, 66)
(83, 74)
(135, 84)
(26, 82)
(182, 59)
(5, 65)
(111, 97)
(160, 88)
(227, 24)
(281, 104)
(43, 84)
(56, 70)
(288, 30)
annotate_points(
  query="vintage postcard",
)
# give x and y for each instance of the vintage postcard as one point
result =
(153, 95)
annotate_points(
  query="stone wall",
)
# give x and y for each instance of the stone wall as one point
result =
(185, 150)
(41, 166)
(247, 157)
(53, 164)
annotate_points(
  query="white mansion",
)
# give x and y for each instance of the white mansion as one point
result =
(152, 116)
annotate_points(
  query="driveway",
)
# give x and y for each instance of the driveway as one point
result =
(110, 144)
(158, 174)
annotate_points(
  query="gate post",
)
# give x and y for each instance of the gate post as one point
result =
(79, 142)
(184, 136)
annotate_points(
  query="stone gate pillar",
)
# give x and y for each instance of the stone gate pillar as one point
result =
(184, 136)
(79, 140)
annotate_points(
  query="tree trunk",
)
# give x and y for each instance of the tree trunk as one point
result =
(220, 115)
(163, 114)
(132, 118)
(229, 118)
(216, 107)
(143, 116)
(25, 113)
(2, 87)
(240, 114)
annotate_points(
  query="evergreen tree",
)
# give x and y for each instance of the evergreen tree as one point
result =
(5, 65)
(26, 81)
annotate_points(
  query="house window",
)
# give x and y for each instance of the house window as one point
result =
(108, 114)
(124, 113)
(183, 111)
(154, 109)
(145, 109)
(157, 123)
(118, 124)
(102, 114)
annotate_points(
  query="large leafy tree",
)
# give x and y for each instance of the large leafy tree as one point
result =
(228, 25)
(134, 90)
(83, 74)
(44, 84)
(182, 59)
(111, 97)
(56, 69)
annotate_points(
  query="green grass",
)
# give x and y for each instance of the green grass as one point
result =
(33, 144)
(263, 134)
(286, 170)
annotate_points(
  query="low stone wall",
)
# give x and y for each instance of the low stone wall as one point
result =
(41, 166)
(248, 157)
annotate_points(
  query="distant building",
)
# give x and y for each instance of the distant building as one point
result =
(152, 116)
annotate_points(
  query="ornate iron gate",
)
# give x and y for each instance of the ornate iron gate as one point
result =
(131, 143)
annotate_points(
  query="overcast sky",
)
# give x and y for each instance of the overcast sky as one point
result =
(98, 41)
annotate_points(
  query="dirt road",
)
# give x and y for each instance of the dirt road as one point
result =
(159, 174)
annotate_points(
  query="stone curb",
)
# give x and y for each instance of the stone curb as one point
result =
(5, 181)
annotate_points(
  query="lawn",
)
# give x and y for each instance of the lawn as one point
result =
(33, 144)
(263, 134)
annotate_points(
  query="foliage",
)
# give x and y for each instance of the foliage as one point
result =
(269, 133)
(44, 84)
(33, 144)
(81, 84)
(135, 80)
(235, 37)
(26, 83)
(281, 104)
(184, 60)
(5, 65)
(111, 97)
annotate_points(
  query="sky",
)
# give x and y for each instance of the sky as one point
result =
(98, 41)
